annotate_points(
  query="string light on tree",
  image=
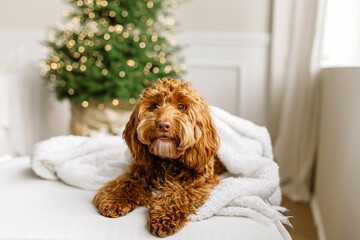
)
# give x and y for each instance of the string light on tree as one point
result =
(115, 102)
(104, 72)
(85, 104)
(132, 100)
(124, 13)
(122, 74)
(101, 106)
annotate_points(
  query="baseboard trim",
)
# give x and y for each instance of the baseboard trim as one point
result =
(315, 209)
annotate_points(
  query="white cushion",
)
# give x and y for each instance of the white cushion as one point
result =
(34, 208)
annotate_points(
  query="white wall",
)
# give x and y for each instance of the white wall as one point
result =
(194, 15)
(33, 14)
(337, 189)
(225, 15)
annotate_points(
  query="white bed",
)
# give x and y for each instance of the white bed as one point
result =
(34, 208)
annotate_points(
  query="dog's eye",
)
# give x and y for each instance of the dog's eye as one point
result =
(180, 107)
(154, 106)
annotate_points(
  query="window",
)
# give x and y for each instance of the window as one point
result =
(341, 39)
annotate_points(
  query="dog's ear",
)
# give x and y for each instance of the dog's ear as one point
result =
(207, 144)
(138, 151)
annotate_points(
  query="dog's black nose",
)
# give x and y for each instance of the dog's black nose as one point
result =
(164, 126)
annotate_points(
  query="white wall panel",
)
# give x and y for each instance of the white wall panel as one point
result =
(218, 84)
(232, 65)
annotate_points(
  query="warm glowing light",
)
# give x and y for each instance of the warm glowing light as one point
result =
(79, 3)
(53, 66)
(104, 72)
(71, 91)
(154, 38)
(149, 22)
(98, 63)
(111, 29)
(52, 77)
(118, 28)
(115, 102)
(146, 82)
(150, 4)
(106, 36)
(131, 63)
(112, 14)
(85, 104)
(69, 68)
(83, 59)
(122, 74)
(167, 69)
(126, 34)
(101, 106)
(162, 60)
(104, 3)
(155, 69)
(56, 58)
(132, 100)
(108, 47)
(83, 68)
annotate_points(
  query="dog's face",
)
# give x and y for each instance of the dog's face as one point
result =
(171, 121)
(168, 114)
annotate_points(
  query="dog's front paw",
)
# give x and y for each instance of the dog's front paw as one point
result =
(162, 223)
(114, 209)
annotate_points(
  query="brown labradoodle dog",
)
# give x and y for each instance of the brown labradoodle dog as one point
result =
(173, 143)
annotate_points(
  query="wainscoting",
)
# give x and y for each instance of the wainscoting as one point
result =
(229, 70)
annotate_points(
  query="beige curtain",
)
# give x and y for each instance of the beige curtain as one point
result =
(295, 66)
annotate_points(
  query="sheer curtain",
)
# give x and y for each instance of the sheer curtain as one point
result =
(295, 66)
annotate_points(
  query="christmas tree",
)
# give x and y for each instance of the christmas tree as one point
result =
(110, 50)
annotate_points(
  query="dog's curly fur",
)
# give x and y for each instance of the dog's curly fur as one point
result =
(173, 143)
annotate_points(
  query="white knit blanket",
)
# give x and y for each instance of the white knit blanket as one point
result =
(250, 189)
